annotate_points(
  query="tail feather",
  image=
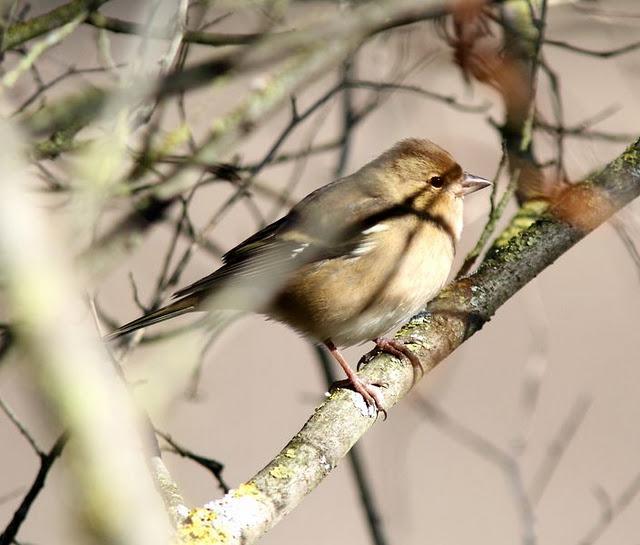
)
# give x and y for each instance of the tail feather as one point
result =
(181, 306)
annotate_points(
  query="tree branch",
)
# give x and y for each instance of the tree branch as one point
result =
(24, 31)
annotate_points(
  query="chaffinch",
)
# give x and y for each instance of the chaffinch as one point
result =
(351, 261)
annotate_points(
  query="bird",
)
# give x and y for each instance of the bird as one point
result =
(351, 261)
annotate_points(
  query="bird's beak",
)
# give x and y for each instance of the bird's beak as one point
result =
(471, 183)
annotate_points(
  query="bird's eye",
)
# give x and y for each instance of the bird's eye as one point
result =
(436, 181)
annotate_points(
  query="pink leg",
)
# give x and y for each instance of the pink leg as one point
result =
(366, 389)
(398, 349)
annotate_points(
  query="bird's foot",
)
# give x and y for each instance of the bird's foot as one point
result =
(368, 389)
(398, 349)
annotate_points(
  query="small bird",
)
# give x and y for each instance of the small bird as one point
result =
(351, 261)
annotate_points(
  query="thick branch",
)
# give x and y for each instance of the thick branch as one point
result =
(26, 30)
(458, 312)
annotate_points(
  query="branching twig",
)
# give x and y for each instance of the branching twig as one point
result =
(615, 509)
(558, 447)
(209, 464)
(46, 461)
(21, 428)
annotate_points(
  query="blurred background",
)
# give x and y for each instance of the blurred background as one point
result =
(526, 434)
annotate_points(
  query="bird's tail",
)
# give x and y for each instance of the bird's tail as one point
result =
(181, 306)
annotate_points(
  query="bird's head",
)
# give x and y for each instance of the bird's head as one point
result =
(427, 179)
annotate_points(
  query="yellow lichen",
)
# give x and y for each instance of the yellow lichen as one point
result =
(246, 489)
(527, 215)
(290, 452)
(280, 472)
(198, 528)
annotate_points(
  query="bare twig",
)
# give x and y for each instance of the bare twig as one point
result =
(613, 511)
(21, 428)
(594, 53)
(558, 447)
(479, 444)
(47, 460)
(627, 240)
(211, 465)
(450, 100)
(494, 216)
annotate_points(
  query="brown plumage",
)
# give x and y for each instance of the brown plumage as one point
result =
(352, 260)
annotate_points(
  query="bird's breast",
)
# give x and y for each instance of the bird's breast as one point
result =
(387, 279)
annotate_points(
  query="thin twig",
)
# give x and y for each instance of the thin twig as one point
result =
(46, 462)
(609, 515)
(210, 464)
(21, 428)
(558, 448)
(627, 240)
(489, 451)
(450, 100)
(594, 53)
(494, 216)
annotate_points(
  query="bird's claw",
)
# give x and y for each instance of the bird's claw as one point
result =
(369, 390)
(364, 360)
(399, 349)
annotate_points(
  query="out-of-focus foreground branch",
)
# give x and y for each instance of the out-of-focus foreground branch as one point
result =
(115, 495)
(458, 312)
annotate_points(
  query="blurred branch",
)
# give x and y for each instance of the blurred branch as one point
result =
(79, 108)
(506, 462)
(593, 53)
(627, 240)
(524, 25)
(581, 131)
(310, 49)
(46, 86)
(347, 77)
(24, 31)
(6, 340)
(113, 486)
(52, 39)
(614, 509)
(113, 24)
(455, 315)
(558, 447)
(447, 99)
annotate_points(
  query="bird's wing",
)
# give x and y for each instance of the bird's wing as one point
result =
(310, 232)
(261, 256)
